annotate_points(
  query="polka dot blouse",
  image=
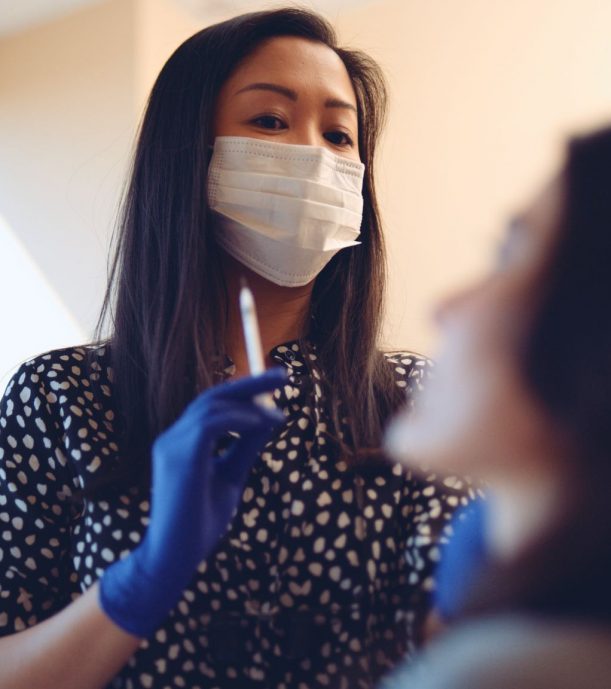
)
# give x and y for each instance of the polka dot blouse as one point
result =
(321, 580)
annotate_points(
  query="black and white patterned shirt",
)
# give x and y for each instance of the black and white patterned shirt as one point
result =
(320, 581)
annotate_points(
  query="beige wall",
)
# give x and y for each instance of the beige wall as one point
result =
(67, 112)
(483, 92)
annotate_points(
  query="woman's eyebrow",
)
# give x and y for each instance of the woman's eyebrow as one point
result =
(265, 86)
(292, 95)
(336, 103)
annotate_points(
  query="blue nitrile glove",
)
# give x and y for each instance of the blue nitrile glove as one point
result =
(461, 560)
(194, 494)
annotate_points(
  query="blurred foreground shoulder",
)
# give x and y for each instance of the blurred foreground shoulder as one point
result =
(513, 652)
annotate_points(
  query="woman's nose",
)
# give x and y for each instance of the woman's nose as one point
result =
(441, 309)
(307, 135)
(451, 304)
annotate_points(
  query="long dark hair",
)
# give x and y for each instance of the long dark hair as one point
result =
(566, 361)
(166, 301)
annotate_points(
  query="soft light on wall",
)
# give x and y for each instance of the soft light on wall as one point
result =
(34, 318)
(482, 96)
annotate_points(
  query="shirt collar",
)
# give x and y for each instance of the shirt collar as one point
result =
(292, 355)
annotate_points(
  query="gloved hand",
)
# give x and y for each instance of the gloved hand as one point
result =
(462, 560)
(194, 494)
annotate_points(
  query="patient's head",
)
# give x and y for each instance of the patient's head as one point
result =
(523, 378)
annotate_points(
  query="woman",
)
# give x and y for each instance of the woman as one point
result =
(254, 160)
(529, 349)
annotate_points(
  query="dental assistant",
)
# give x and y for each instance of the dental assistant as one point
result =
(159, 527)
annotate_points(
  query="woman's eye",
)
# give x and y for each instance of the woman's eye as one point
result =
(338, 138)
(269, 122)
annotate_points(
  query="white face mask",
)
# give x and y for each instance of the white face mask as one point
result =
(284, 210)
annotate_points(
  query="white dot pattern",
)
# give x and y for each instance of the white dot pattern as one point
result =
(322, 579)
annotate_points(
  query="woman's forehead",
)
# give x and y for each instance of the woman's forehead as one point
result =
(298, 63)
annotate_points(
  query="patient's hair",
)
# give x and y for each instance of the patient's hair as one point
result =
(566, 360)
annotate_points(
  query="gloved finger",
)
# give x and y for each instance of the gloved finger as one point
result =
(250, 386)
(240, 418)
(198, 429)
(243, 390)
(200, 416)
(273, 415)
